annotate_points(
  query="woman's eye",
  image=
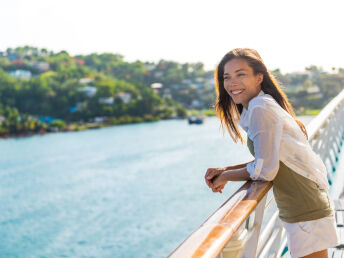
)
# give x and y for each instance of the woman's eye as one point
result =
(241, 74)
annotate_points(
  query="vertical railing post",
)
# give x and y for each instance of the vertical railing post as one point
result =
(278, 241)
(252, 243)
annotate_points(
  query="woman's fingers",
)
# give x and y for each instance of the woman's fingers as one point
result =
(215, 190)
(210, 177)
(218, 188)
(217, 181)
(208, 182)
(210, 174)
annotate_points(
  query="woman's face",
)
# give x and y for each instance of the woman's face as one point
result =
(240, 82)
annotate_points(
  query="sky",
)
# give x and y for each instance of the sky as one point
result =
(289, 35)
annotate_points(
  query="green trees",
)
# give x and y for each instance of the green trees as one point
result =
(84, 87)
(121, 88)
(15, 123)
(311, 89)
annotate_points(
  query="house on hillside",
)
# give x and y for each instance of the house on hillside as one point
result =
(88, 91)
(156, 86)
(77, 107)
(158, 74)
(40, 66)
(313, 89)
(20, 74)
(85, 80)
(12, 56)
(124, 96)
(167, 94)
(107, 100)
(17, 61)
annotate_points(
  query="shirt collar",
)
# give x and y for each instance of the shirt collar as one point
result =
(244, 114)
(259, 94)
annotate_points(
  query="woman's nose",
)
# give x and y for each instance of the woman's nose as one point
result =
(234, 82)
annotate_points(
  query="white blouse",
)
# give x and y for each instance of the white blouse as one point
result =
(276, 136)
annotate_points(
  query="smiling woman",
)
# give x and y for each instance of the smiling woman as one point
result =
(240, 82)
(249, 96)
(230, 76)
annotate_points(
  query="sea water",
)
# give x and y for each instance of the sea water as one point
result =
(125, 191)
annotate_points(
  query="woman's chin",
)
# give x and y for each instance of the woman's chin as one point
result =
(236, 101)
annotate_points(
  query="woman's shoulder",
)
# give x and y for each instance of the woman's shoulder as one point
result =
(265, 109)
(264, 101)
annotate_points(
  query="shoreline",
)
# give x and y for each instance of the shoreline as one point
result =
(92, 126)
(84, 127)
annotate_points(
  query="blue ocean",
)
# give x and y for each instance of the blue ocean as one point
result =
(124, 191)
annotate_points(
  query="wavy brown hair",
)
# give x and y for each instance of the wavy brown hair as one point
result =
(229, 112)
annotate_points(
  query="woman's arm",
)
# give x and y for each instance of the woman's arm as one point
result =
(214, 172)
(239, 174)
(236, 166)
(266, 130)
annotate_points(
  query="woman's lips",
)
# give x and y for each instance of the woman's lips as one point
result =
(236, 92)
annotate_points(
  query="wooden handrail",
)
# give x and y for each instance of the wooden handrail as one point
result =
(212, 236)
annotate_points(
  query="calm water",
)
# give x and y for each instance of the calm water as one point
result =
(125, 191)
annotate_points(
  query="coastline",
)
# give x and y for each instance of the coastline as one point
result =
(75, 127)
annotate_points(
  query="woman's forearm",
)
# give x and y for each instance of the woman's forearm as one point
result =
(230, 173)
(239, 174)
(236, 166)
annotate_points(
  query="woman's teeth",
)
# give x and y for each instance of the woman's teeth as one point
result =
(237, 92)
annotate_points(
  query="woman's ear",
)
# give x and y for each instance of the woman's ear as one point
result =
(260, 78)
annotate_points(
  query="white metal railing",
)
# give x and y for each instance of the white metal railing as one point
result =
(325, 135)
(326, 132)
(219, 235)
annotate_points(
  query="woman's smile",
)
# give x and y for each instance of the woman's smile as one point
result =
(236, 92)
(240, 82)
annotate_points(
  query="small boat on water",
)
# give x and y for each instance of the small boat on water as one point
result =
(195, 119)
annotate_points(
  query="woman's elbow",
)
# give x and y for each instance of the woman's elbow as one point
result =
(269, 175)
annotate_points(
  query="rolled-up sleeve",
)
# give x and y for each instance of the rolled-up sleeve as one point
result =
(265, 130)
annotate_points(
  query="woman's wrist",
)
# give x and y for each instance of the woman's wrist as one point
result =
(227, 174)
(235, 167)
(222, 169)
(219, 180)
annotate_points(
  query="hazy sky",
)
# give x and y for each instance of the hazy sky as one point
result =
(288, 34)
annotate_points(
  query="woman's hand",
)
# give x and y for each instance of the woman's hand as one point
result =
(218, 189)
(210, 176)
(219, 181)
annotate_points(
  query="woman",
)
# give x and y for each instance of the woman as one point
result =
(249, 96)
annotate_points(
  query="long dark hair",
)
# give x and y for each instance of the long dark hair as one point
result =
(229, 112)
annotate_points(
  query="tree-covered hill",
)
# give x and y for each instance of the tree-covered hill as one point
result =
(40, 85)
